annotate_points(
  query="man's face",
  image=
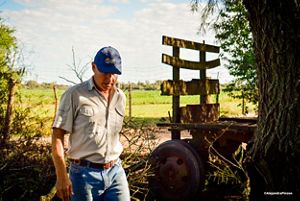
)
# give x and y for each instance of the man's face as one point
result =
(104, 81)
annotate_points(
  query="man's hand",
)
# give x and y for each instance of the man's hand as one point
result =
(64, 188)
(63, 183)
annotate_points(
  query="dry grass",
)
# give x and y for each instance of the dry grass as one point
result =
(27, 171)
(138, 144)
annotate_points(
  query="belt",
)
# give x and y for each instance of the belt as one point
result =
(90, 164)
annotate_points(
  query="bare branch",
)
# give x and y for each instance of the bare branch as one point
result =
(210, 9)
(78, 69)
(70, 81)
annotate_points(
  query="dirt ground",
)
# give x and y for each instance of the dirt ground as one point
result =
(159, 135)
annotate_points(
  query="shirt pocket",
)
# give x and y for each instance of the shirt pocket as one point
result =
(87, 111)
(94, 124)
(85, 119)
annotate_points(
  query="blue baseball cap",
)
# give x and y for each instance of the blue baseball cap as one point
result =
(108, 60)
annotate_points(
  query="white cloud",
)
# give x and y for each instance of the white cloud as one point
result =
(52, 28)
(120, 1)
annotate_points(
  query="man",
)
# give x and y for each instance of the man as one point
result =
(92, 112)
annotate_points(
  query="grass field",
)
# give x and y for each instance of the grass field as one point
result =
(152, 104)
(147, 104)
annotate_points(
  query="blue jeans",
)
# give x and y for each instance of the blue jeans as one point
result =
(90, 184)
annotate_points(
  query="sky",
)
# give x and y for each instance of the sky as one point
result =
(47, 30)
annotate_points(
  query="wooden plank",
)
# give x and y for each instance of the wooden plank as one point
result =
(248, 120)
(193, 87)
(192, 65)
(176, 42)
(214, 126)
(200, 113)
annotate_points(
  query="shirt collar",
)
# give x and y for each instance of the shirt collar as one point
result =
(91, 84)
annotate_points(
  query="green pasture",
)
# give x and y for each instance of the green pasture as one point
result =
(152, 104)
(147, 105)
(40, 101)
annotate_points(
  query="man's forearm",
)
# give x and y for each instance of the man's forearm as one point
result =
(58, 152)
(63, 183)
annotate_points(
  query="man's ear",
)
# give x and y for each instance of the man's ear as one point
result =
(94, 67)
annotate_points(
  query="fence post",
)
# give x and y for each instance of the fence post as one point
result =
(243, 102)
(130, 101)
(55, 101)
(9, 108)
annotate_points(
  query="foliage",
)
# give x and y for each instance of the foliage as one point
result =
(26, 169)
(147, 85)
(228, 172)
(10, 75)
(9, 57)
(27, 123)
(233, 32)
(7, 43)
(32, 84)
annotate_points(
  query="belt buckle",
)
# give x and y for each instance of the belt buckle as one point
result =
(108, 165)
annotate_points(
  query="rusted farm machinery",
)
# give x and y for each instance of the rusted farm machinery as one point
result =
(179, 164)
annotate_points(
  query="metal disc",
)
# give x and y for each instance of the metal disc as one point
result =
(177, 171)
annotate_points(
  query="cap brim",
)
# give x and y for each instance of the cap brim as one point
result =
(109, 69)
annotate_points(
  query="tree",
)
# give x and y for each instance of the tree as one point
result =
(275, 152)
(31, 84)
(10, 76)
(233, 32)
(7, 44)
(275, 26)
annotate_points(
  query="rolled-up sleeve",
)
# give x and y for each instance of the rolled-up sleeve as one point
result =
(65, 115)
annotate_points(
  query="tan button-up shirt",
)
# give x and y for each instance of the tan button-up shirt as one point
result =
(93, 125)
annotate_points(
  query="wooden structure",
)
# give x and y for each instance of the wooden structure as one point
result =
(203, 86)
(179, 165)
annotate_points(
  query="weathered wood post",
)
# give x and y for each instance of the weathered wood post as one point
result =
(203, 98)
(204, 111)
(176, 97)
(55, 102)
(129, 101)
(8, 116)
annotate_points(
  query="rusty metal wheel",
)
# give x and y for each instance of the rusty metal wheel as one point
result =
(177, 171)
